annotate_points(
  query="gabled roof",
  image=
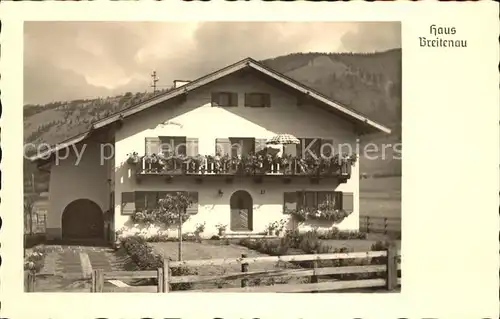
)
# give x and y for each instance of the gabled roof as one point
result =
(362, 120)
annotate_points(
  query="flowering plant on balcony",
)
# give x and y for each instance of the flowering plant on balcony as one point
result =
(310, 165)
(324, 212)
(195, 163)
(133, 158)
(220, 163)
(252, 163)
(154, 162)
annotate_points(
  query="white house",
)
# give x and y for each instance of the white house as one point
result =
(94, 189)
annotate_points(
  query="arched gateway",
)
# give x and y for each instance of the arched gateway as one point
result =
(82, 219)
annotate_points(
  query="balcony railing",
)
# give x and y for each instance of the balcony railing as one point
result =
(249, 165)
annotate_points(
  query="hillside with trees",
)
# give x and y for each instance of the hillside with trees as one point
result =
(369, 83)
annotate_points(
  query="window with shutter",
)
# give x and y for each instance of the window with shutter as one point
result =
(222, 146)
(242, 146)
(290, 149)
(173, 145)
(140, 201)
(290, 200)
(309, 147)
(192, 146)
(151, 199)
(153, 145)
(326, 149)
(193, 209)
(301, 198)
(310, 200)
(260, 144)
(128, 203)
(347, 201)
(257, 100)
(225, 99)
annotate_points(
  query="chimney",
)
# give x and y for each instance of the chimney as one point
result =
(179, 83)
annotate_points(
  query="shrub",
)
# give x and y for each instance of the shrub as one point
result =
(146, 259)
(335, 233)
(33, 240)
(270, 247)
(34, 262)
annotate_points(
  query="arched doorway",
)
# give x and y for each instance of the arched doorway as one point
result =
(241, 204)
(83, 219)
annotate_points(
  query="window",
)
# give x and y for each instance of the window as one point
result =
(313, 199)
(224, 99)
(128, 203)
(257, 100)
(149, 200)
(309, 147)
(173, 145)
(241, 146)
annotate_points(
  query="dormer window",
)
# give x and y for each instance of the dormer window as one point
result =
(257, 100)
(224, 99)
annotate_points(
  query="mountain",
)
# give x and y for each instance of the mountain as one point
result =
(369, 83)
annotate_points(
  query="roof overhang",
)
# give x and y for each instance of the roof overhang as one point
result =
(46, 155)
(369, 125)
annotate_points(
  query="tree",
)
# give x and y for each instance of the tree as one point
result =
(173, 208)
(29, 203)
(170, 210)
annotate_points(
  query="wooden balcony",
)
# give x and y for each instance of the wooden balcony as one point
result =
(206, 166)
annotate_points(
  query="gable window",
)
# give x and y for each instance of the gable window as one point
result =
(224, 99)
(257, 100)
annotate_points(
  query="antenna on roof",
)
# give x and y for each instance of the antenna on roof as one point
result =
(154, 79)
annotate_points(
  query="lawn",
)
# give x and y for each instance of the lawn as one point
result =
(214, 250)
(380, 197)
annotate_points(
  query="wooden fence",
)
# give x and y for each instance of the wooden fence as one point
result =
(390, 280)
(381, 225)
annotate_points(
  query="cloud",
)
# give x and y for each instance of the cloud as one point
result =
(71, 60)
(372, 36)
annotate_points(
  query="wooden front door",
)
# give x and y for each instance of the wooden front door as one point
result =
(83, 219)
(241, 204)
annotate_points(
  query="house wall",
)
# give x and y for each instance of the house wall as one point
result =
(79, 174)
(196, 118)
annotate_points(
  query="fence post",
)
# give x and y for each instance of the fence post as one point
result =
(385, 225)
(314, 278)
(166, 275)
(100, 280)
(244, 268)
(392, 267)
(160, 280)
(31, 281)
(93, 281)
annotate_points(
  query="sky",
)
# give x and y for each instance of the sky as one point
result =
(74, 60)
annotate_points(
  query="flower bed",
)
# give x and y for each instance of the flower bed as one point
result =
(146, 259)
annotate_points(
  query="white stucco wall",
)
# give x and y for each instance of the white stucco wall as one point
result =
(79, 174)
(196, 118)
